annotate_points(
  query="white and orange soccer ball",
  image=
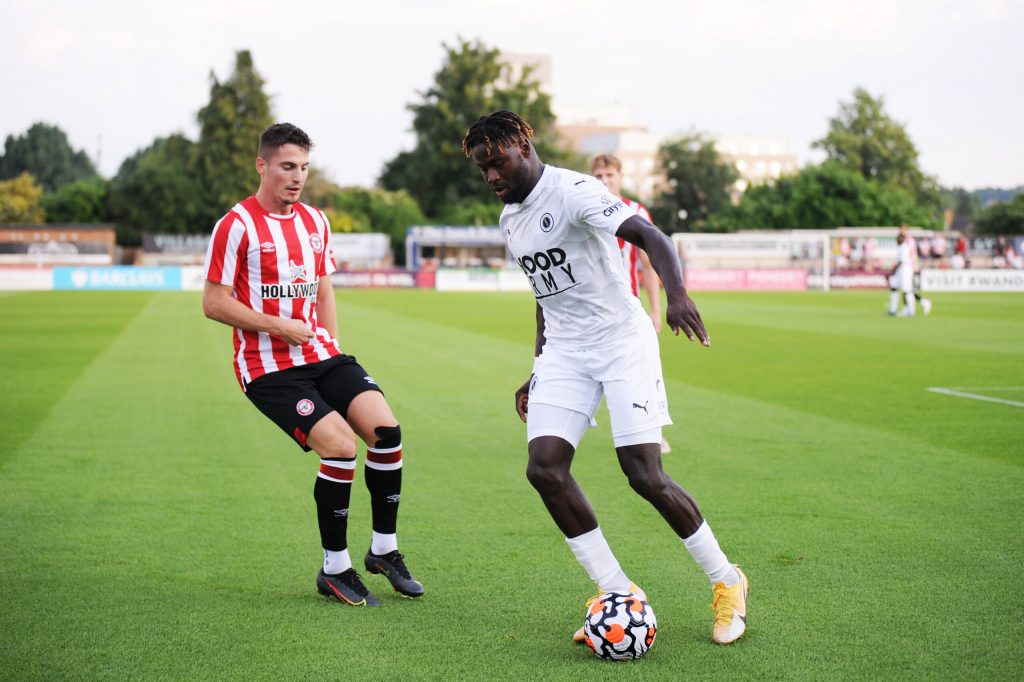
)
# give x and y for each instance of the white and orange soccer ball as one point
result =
(619, 627)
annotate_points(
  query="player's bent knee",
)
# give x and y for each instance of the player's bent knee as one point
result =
(335, 448)
(648, 486)
(546, 479)
(332, 443)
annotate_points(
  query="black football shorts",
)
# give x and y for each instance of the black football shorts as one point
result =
(298, 397)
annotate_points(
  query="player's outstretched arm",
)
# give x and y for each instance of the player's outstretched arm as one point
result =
(220, 305)
(682, 313)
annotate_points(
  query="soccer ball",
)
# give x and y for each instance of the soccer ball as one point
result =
(619, 626)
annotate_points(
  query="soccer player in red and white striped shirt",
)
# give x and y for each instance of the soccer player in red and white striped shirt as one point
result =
(267, 272)
(608, 169)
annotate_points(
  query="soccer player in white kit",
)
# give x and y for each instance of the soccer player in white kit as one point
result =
(593, 341)
(901, 279)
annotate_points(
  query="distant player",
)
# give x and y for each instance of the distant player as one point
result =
(608, 169)
(926, 303)
(268, 276)
(593, 341)
(905, 278)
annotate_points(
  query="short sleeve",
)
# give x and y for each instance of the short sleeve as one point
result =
(226, 251)
(590, 204)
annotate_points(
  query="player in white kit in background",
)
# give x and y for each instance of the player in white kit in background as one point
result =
(593, 340)
(608, 169)
(901, 279)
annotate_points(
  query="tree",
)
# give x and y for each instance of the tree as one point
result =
(158, 190)
(359, 209)
(44, 151)
(961, 207)
(19, 201)
(82, 201)
(230, 125)
(472, 82)
(825, 197)
(698, 184)
(863, 138)
(1004, 217)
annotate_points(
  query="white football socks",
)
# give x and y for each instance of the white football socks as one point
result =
(894, 301)
(594, 554)
(383, 543)
(336, 562)
(704, 549)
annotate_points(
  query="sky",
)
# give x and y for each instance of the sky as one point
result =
(116, 75)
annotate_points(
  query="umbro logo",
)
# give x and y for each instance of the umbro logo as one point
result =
(370, 380)
(642, 407)
(393, 499)
(341, 513)
(267, 247)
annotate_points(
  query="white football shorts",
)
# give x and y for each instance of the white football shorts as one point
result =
(628, 375)
(903, 280)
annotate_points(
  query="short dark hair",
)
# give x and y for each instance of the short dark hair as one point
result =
(502, 128)
(280, 134)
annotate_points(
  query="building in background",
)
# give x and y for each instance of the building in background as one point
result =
(611, 129)
(757, 158)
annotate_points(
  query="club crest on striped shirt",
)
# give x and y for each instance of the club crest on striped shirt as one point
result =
(316, 242)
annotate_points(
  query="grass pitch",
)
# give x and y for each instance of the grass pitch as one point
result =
(156, 526)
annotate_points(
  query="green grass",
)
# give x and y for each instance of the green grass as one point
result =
(153, 525)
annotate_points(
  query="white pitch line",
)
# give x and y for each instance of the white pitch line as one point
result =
(975, 396)
(985, 388)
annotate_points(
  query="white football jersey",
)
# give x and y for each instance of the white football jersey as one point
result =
(563, 237)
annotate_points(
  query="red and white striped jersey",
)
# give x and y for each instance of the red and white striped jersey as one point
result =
(630, 258)
(274, 263)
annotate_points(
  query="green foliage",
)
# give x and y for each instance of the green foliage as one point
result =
(82, 201)
(44, 152)
(1004, 217)
(960, 207)
(230, 126)
(863, 138)
(158, 190)
(361, 209)
(987, 196)
(178, 186)
(19, 201)
(473, 82)
(825, 197)
(698, 182)
(472, 213)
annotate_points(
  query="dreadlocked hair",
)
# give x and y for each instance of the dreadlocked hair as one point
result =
(503, 129)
